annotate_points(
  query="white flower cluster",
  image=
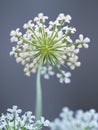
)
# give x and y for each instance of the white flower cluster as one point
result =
(48, 47)
(13, 121)
(64, 77)
(79, 120)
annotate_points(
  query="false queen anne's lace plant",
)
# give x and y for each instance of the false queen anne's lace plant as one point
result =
(48, 47)
(14, 120)
(76, 121)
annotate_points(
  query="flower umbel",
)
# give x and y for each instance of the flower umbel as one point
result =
(76, 121)
(13, 121)
(47, 46)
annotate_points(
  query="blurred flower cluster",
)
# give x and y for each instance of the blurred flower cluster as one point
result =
(79, 120)
(50, 47)
(14, 120)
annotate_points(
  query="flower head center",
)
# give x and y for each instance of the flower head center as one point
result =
(46, 49)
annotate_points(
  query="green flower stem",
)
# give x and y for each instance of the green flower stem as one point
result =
(38, 109)
(55, 33)
(14, 121)
(35, 34)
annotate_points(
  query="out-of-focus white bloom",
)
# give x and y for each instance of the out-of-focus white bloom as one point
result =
(47, 47)
(79, 120)
(45, 122)
(73, 62)
(64, 77)
(47, 72)
(14, 120)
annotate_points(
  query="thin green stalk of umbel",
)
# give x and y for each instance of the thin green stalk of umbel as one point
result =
(38, 108)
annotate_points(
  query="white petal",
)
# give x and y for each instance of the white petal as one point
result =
(46, 123)
(77, 40)
(78, 64)
(13, 33)
(72, 67)
(76, 51)
(72, 47)
(25, 69)
(25, 26)
(46, 76)
(33, 70)
(87, 40)
(23, 62)
(79, 46)
(69, 39)
(28, 74)
(15, 107)
(81, 37)
(67, 80)
(19, 42)
(19, 59)
(9, 110)
(19, 110)
(58, 75)
(42, 72)
(42, 119)
(51, 73)
(61, 80)
(68, 17)
(49, 68)
(11, 53)
(13, 39)
(68, 74)
(86, 45)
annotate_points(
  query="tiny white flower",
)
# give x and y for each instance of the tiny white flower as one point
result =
(68, 18)
(71, 51)
(19, 59)
(83, 40)
(28, 74)
(47, 72)
(14, 39)
(67, 29)
(73, 62)
(14, 109)
(46, 123)
(64, 77)
(16, 32)
(29, 24)
(61, 16)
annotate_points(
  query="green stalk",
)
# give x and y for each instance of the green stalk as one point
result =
(38, 109)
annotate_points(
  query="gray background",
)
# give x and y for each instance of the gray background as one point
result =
(16, 88)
